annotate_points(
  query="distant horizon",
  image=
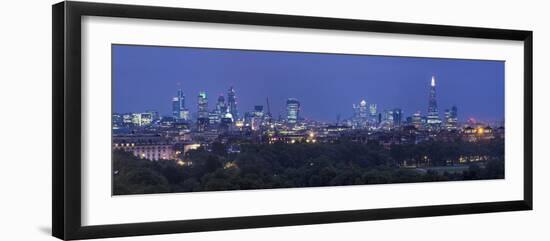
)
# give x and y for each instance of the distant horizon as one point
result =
(327, 85)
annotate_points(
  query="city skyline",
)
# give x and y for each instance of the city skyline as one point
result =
(136, 65)
(240, 120)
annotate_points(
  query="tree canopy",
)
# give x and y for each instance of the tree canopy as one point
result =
(281, 165)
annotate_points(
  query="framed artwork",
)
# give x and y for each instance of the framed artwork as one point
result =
(169, 120)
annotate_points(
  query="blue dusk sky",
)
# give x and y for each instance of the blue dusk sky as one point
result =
(147, 77)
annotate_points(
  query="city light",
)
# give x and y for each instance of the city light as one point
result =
(276, 125)
(480, 130)
(177, 134)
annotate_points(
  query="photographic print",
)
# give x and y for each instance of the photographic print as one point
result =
(283, 119)
(187, 119)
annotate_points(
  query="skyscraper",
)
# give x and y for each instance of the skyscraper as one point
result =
(221, 108)
(397, 117)
(432, 119)
(232, 103)
(267, 116)
(361, 114)
(292, 110)
(363, 109)
(179, 112)
(202, 117)
(373, 115)
(388, 121)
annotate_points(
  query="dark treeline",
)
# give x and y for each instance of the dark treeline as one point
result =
(305, 165)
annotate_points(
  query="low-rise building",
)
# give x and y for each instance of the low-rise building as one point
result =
(150, 147)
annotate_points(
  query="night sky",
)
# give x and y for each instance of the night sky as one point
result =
(146, 78)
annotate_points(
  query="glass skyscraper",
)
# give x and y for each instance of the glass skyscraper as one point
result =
(203, 115)
(432, 119)
(292, 110)
(179, 112)
(232, 102)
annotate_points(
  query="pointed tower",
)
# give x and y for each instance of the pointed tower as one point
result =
(432, 120)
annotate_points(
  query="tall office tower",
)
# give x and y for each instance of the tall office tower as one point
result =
(372, 109)
(292, 110)
(221, 108)
(397, 115)
(221, 104)
(232, 103)
(268, 117)
(373, 115)
(363, 113)
(388, 118)
(451, 118)
(178, 106)
(202, 114)
(432, 119)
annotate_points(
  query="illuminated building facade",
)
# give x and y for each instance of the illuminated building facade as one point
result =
(117, 121)
(364, 124)
(142, 119)
(392, 118)
(451, 119)
(257, 117)
(221, 107)
(432, 119)
(292, 110)
(150, 147)
(361, 115)
(362, 110)
(416, 120)
(373, 114)
(478, 133)
(202, 114)
(214, 118)
(179, 112)
(227, 119)
(232, 103)
(397, 117)
(268, 117)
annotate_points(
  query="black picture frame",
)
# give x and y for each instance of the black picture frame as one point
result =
(66, 169)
